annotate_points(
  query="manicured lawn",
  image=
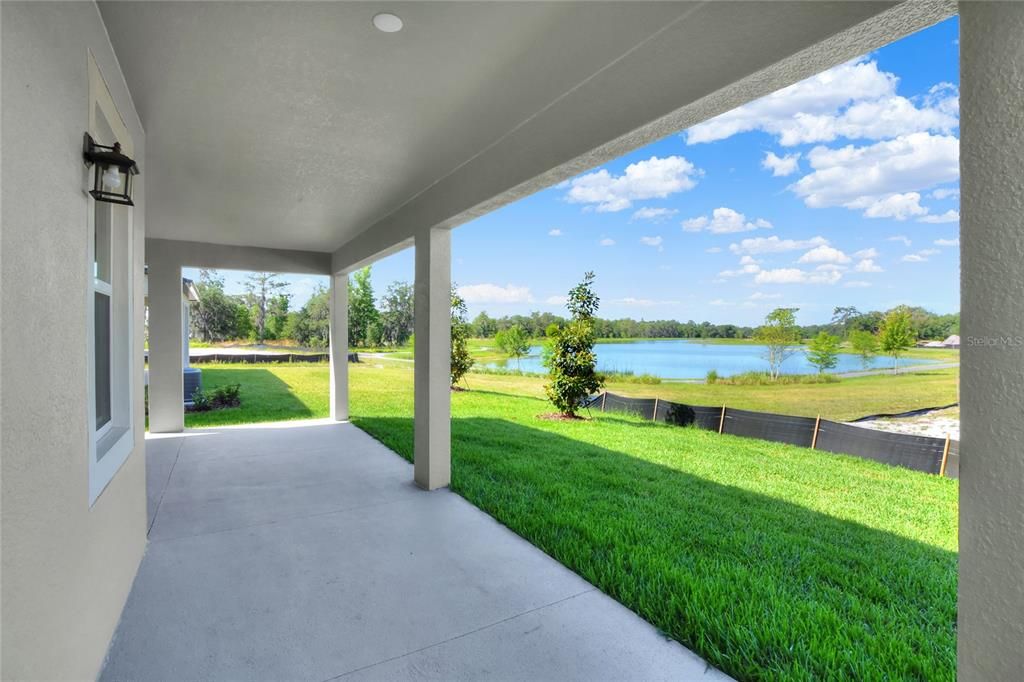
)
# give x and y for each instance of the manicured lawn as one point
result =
(269, 393)
(773, 562)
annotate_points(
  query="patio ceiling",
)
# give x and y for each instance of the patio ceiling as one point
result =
(300, 126)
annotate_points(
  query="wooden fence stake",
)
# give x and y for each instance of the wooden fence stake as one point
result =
(604, 396)
(814, 438)
(721, 420)
(654, 417)
(945, 456)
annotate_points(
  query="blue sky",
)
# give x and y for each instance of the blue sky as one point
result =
(841, 190)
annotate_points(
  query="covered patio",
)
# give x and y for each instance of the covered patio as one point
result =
(304, 551)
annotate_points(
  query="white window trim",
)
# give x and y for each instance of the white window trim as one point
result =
(110, 445)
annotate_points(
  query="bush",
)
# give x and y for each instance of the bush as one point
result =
(712, 377)
(218, 398)
(765, 379)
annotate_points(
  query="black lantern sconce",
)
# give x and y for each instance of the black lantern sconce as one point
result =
(114, 171)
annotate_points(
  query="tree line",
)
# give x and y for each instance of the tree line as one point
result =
(264, 313)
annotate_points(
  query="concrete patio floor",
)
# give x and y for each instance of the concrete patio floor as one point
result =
(304, 551)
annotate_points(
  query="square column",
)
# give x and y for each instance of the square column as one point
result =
(990, 610)
(432, 433)
(339, 347)
(166, 387)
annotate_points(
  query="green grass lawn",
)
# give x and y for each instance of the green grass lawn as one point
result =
(771, 561)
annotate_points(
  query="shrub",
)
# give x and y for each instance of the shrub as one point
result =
(461, 362)
(571, 361)
(218, 398)
(200, 401)
(765, 379)
(712, 377)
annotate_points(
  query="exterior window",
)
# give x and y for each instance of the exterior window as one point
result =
(109, 302)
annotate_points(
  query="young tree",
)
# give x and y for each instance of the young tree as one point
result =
(513, 342)
(572, 364)
(896, 335)
(277, 315)
(865, 344)
(461, 362)
(823, 351)
(396, 318)
(780, 335)
(362, 312)
(260, 287)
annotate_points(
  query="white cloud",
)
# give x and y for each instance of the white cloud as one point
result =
(946, 193)
(854, 100)
(654, 214)
(748, 266)
(899, 238)
(719, 301)
(655, 178)
(607, 241)
(866, 253)
(713, 249)
(493, 293)
(796, 276)
(761, 296)
(867, 265)
(555, 232)
(950, 216)
(781, 166)
(868, 178)
(856, 283)
(651, 241)
(830, 267)
(757, 245)
(919, 257)
(556, 300)
(898, 206)
(723, 221)
(947, 242)
(824, 254)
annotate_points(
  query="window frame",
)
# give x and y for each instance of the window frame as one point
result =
(110, 444)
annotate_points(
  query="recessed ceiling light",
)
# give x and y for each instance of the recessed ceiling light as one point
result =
(387, 22)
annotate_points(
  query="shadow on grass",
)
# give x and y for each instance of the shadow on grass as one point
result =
(265, 398)
(760, 587)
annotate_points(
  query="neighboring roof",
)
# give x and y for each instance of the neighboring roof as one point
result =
(953, 340)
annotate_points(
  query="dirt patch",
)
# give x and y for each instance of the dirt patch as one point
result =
(555, 417)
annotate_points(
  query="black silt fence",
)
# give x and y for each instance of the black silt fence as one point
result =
(920, 453)
(778, 428)
(265, 358)
(900, 449)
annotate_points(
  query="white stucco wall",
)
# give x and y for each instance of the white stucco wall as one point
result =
(66, 568)
(991, 600)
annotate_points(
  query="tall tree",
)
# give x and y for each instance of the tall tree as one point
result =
(277, 315)
(396, 316)
(484, 326)
(571, 361)
(260, 287)
(311, 325)
(362, 311)
(823, 351)
(896, 335)
(780, 336)
(843, 317)
(214, 316)
(461, 361)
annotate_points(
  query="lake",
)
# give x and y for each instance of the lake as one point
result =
(691, 359)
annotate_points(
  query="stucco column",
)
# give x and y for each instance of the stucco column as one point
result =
(432, 439)
(991, 587)
(339, 347)
(166, 390)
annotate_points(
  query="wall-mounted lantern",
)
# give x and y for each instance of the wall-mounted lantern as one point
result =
(114, 171)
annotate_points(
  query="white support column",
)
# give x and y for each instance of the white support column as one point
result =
(432, 438)
(990, 612)
(166, 388)
(339, 347)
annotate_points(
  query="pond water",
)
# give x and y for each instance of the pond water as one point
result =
(691, 359)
